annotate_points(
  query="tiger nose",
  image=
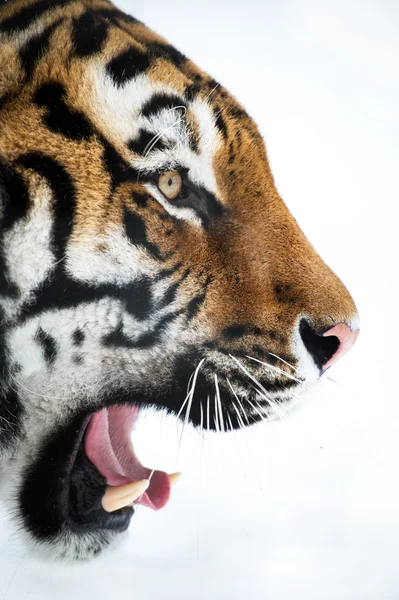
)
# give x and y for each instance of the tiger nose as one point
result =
(328, 347)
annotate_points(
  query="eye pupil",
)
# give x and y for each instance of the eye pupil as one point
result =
(170, 182)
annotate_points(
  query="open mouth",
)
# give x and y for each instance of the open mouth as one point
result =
(107, 444)
(87, 478)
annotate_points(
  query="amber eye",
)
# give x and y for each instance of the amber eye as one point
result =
(170, 184)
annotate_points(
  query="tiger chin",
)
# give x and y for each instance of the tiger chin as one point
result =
(146, 259)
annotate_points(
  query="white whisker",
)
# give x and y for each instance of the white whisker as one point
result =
(189, 399)
(283, 361)
(273, 368)
(219, 402)
(242, 424)
(154, 140)
(261, 390)
(202, 421)
(180, 107)
(188, 389)
(231, 424)
(239, 402)
(216, 417)
(183, 405)
(263, 417)
(192, 390)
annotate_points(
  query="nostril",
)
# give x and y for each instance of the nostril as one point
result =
(321, 348)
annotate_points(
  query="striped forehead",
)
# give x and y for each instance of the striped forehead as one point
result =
(158, 124)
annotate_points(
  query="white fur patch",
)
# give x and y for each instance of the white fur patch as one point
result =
(117, 109)
(27, 245)
(108, 258)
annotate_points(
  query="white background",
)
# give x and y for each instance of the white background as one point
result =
(306, 508)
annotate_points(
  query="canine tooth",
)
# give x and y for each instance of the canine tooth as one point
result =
(117, 497)
(173, 477)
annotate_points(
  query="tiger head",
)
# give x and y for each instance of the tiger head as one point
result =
(146, 258)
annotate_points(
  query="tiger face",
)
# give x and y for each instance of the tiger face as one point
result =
(146, 259)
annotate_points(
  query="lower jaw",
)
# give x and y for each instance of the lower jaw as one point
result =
(62, 490)
(87, 489)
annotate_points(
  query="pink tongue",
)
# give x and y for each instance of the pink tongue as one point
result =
(109, 447)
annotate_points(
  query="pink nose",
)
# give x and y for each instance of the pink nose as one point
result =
(346, 338)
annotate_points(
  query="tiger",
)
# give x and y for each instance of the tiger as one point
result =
(146, 260)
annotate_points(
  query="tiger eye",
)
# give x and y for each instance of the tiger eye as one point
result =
(170, 184)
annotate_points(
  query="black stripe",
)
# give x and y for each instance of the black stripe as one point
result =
(237, 113)
(151, 338)
(7, 97)
(63, 188)
(261, 352)
(119, 170)
(25, 17)
(62, 292)
(146, 142)
(16, 198)
(160, 102)
(238, 330)
(191, 92)
(47, 344)
(165, 273)
(118, 338)
(89, 33)
(213, 84)
(127, 65)
(141, 198)
(231, 153)
(168, 52)
(171, 292)
(78, 337)
(136, 232)
(59, 117)
(35, 48)
(194, 305)
(221, 125)
(139, 298)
